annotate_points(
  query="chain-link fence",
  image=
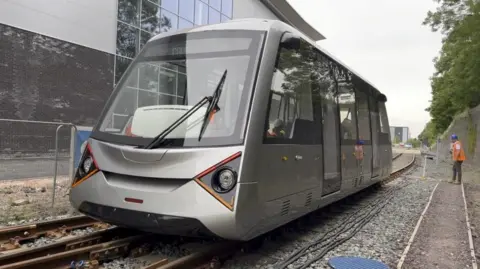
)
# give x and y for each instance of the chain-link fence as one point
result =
(36, 165)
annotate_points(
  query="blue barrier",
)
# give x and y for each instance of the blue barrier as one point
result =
(82, 136)
(355, 263)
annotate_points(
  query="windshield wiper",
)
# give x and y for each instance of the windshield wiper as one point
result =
(159, 139)
(213, 100)
(213, 106)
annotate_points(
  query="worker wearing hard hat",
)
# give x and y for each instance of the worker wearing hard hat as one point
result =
(458, 156)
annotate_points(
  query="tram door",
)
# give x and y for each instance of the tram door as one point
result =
(348, 134)
(332, 178)
(364, 147)
(375, 122)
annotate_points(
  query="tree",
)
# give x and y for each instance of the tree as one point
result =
(414, 142)
(455, 83)
(428, 135)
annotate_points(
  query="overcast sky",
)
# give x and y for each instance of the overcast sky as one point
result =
(385, 42)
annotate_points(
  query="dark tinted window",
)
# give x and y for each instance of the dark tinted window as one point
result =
(374, 117)
(150, 19)
(325, 91)
(384, 126)
(346, 101)
(363, 114)
(128, 43)
(128, 11)
(294, 117)
(121, 64)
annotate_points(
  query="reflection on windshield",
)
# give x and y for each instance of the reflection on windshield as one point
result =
(169, 78)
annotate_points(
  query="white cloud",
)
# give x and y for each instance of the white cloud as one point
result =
(386, 43)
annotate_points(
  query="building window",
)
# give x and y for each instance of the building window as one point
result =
(216, 4)
(170, 5)
(187, 9)
(227, 8)
(213, 16)
(201, 13)
(139, 20)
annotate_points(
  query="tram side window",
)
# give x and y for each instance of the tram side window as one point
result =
(291, 118)
(384, 126)
(347, 118)
(346, 102)
(363, 114)
(374, 117)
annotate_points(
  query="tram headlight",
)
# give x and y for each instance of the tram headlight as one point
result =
(86, 168)
(224, 180)
(87, 164)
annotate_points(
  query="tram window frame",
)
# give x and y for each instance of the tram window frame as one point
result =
(311, 115)
(374, 115)
(362, 90)
(384, 124)
(346, 76)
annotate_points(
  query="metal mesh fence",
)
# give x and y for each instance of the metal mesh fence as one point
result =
(27, 169)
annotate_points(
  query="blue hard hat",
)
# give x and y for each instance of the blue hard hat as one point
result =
(454, 136)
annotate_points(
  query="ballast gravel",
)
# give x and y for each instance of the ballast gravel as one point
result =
(383, 238)
(124, 263)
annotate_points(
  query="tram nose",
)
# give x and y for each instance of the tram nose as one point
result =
(136, 155)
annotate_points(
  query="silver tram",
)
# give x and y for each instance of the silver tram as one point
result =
(231, 130)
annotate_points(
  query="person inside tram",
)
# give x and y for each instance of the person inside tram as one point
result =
(277, 129)
(347, 127)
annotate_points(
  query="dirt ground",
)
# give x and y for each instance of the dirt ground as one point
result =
(23, 201)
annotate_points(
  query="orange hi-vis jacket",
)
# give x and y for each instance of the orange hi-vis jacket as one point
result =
(359, 152)
(456, 149)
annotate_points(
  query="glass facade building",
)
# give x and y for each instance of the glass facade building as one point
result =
(139, 20)
(63, 58)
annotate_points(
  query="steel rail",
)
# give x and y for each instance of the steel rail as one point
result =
(31, 231)
(62, 245)
(90, 256)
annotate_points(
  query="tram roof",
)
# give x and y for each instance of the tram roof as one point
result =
(261, 25)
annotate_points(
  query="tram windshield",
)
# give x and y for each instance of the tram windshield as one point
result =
(170, 76)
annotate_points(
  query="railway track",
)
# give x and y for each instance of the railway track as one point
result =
(109, 243)
(13, 237)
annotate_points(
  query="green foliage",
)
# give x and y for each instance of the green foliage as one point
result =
(428, 135)
(414, 142)
(396, 140)
(456, 83)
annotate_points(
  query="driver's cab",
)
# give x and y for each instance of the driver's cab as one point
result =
(284, 110)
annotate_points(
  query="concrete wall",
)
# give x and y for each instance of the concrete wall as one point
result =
(90, 23)
(471, 142)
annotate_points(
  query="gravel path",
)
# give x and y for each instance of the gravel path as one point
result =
(442, 239)
(472, 193)
(382, 238)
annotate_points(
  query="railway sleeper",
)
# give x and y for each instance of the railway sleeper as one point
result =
(84, 243)
(110, 253)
